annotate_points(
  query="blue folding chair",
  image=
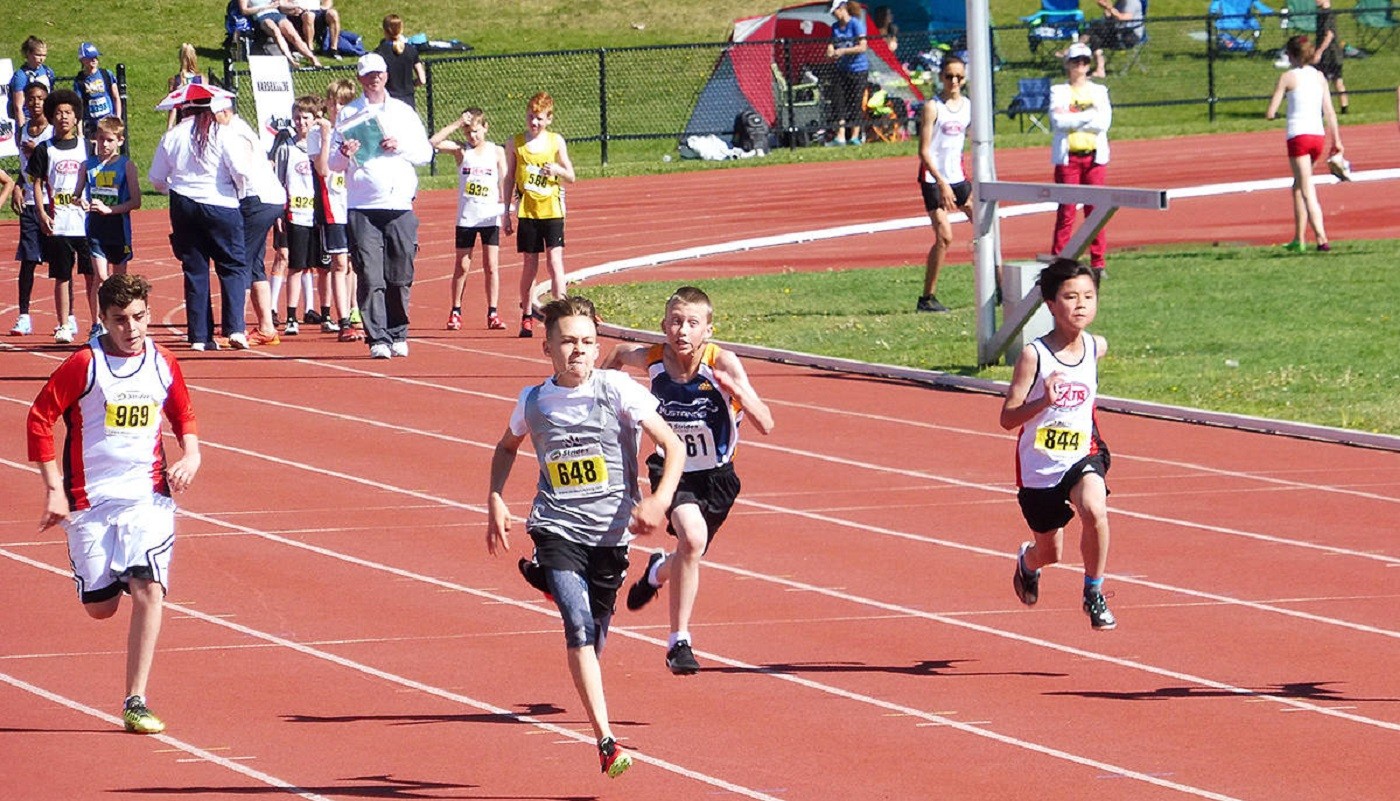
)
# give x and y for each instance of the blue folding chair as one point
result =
(1032, 102)
(1237, 24)
(1057, 20)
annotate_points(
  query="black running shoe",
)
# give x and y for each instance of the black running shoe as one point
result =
(1097, 609)
(681, 660)
(929, 303)
(534, 576)
(1027, 585)
(642, 592)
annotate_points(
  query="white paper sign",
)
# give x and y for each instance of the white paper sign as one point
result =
(273, 95)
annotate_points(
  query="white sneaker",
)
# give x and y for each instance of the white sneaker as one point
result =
(63, 335)
(23, 327)
(197, 346)
(380, 351)
(399, 348)
(238, 341)
(73, 325)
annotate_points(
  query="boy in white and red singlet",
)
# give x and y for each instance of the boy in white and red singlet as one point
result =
(484, 193)
(1061, 461)
(113, 494)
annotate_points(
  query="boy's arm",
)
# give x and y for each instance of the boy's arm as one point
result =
(508, 188)
(439, 139)
(133, 192)
(179, 410)
(1329, 116)
(732, 378)
(1102, 345)
(7, 187)
(649, 516)
(55, 499)
(565, 164)
(629, 354)
(60, 392)
(116, 98)
(497, 513)
(1015, 411)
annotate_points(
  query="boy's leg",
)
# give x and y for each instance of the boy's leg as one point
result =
(294, 287)
(529, 268)
(491, 272)
(1090, 499)
(556, 271)
(100, 270)
(459, 288)
(147, 600)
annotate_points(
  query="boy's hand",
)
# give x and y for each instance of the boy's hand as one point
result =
(497, 526)
(182, 472)
(349, 148)
(648, 516)
(100, 207)
(55, 509)
(1054, 384)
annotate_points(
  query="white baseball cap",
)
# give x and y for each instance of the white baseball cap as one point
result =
(835, 4)
(1079, 50)
(372, 62)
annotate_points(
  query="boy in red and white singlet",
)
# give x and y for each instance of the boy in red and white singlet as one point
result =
(113, 494)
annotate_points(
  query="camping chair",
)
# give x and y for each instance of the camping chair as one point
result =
(1374, 27)
(796, 125)
(1135, 52)
(881, 115)
(1302, 17)
(1032, 101)
(1237, 24)
(238, 33)
(1057, 20)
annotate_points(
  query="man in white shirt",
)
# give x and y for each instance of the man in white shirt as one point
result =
(379, 142)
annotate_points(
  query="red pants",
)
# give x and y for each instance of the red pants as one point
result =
(1081, 169)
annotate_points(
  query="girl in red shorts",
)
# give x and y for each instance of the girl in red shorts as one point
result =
(1310, 121)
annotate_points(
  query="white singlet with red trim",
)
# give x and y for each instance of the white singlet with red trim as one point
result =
(479, 183)
(1066, 430)
(949, 134)
(120, 422)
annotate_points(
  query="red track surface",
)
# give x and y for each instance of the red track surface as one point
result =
(338, 627)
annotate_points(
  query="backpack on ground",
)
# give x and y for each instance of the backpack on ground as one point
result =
(750, 131)
(349, 44)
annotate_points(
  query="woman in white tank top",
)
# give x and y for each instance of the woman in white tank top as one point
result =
(943, 125)
(1310, 118)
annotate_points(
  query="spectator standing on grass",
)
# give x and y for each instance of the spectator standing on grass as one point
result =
(112, 494)
(381, 183)
(1328, 56)
(943, 125)
(189, 73)
(705, 394)
(848, 47)
(584, 426)
(538, 162)
(97, 86)
(35, 52)
(1080, 115)
(1061, 461)
(200, 168)
(405, 69)
(1311, 120)
(30, 250)
(483, 195)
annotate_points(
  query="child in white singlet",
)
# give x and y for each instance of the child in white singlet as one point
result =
(481, 170)
(1061, 461)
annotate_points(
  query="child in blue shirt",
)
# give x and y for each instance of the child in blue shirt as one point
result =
(115, 192)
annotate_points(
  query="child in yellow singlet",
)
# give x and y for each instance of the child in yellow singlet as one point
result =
(537, 161)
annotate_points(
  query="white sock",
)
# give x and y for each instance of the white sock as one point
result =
(275, 284)
(651, 574)
(677, 636)
(308, 289)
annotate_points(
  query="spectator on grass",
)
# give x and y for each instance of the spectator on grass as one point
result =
(97, 86)
(1080, 115)
(848, 48)
(269, 16)
(1328, 57)
(308, 13)
(36, 52)
(1120, 29)
(406, 72)
(381, 184)
(189, 73)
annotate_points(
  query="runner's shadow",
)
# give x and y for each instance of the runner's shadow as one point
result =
(382, 786)
(1301, 690)
(946, 668)
(526, 710)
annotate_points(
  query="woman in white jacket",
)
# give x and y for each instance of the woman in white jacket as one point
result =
(1079, 118)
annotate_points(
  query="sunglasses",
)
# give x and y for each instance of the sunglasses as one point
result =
(954, 76)
(1081, 60)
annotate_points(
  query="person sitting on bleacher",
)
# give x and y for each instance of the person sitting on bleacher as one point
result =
(1120, 29)
(320, 13)
(268, 17)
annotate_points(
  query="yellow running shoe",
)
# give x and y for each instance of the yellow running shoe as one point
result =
(138, 718)
(614, 759)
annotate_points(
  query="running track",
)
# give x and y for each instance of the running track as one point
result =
(337, 631)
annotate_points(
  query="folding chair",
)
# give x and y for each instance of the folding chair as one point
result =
(1135, 52)
(1032, 101)
(1057, 20)
(1302, 17)
(1237, 25)
(1374, 27)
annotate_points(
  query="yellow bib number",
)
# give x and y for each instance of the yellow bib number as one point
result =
(1051, 439)
(577, 472)
(131, 417)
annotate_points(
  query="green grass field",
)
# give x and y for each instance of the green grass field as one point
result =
(1248, 330)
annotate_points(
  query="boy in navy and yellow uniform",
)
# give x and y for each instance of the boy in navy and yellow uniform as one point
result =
(115, 192)
(704, 394)
(98, 88)
(537, 160)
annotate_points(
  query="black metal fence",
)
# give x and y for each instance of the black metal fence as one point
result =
(634, 103)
